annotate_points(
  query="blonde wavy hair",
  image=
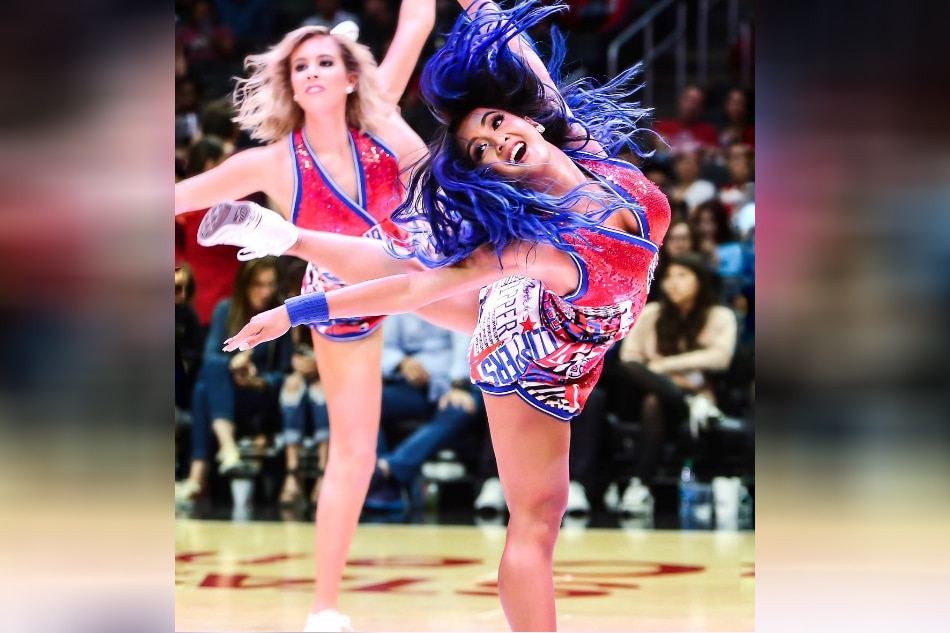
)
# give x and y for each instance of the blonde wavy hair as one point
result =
(264, 100)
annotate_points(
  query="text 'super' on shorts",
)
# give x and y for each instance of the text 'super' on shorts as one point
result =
(531, 342)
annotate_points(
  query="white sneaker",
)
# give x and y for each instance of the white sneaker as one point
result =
(230, 458)
(636, 499)
(577, 499)
(243, 223)
(186, 490)
(327, 620)
(492, 496)
(701, 409)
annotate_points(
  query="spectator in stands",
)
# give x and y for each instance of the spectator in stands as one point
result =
(215, 267)
(738, 189)
(689, 129)
(717, 241)
(188, 91)
(658, 169)
(737, 126)
(216, 123)
(667, 358)
(236, 388)
(202, 37)
(690, 188)
(303, 403)
(189, 338)
(329, 13)
(426, 376)
(681, 238)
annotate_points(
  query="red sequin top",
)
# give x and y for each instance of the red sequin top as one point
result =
(617, 266)
(319, 204)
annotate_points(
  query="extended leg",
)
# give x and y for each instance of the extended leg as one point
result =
(532, 453)
(351, 378)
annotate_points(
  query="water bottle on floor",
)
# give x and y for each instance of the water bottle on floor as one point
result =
(695, 500)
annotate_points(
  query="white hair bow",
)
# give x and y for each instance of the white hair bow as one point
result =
(348, 29)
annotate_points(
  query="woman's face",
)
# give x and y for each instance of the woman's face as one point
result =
(261, 289)
(509, 144)
(736, 106)
(706, 223)
(738, 163)
(680, 284)
(678, 240)
(181, 286)
(687, 167)
(318, 75)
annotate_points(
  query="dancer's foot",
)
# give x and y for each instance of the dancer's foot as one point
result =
(327, 620)
(243, 223)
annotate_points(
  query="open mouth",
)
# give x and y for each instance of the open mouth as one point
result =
(518, 152)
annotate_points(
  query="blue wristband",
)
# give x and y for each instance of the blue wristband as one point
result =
(307, 309)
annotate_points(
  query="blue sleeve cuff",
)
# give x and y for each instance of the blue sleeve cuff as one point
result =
(307, 309)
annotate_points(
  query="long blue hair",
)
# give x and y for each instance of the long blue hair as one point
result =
(461, 206)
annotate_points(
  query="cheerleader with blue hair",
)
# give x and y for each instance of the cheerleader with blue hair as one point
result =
(525, 231)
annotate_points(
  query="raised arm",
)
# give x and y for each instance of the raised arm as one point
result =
(399, 135)
(416, 19)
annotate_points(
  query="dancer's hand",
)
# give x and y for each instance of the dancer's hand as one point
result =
(266, 326)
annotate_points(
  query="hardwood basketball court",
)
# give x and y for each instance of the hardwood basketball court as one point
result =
(257, 576)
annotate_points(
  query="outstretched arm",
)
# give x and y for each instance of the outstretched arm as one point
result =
(390, 295)
(240, 175)
(408, 292)
(416, 19)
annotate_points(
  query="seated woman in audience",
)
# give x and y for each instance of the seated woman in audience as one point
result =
(681, 238)
(667, 358)
(234, 387)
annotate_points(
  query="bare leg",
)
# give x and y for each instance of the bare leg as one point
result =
(224, 431)
(531, 449)
(352, 381)
(198, 472)
(352, 259)
(291, 490)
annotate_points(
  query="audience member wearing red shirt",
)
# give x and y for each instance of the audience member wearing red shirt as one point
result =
(689, 129)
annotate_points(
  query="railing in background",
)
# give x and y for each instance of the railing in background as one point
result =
(650, 50)
(677, 37)
(702, 33)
